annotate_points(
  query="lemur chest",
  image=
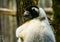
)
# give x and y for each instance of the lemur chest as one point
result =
(33, 26)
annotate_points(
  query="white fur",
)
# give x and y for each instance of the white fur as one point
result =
(35, 28)
(35, 9)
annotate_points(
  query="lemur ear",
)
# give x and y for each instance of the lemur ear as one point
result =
(35, 9)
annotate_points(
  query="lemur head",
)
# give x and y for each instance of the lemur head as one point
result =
(31, 12)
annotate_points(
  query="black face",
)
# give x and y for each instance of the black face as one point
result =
(31, 12)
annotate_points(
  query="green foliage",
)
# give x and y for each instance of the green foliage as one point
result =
(56, 21)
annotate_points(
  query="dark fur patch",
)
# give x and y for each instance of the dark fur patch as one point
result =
(33, 13)
(43, 18)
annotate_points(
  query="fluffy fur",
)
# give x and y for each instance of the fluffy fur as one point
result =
(36, 30)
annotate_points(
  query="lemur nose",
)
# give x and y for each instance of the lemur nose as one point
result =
(26, 14)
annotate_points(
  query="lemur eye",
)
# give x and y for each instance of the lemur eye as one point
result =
(34, 9)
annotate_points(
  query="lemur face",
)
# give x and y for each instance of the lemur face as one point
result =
(31, 12)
